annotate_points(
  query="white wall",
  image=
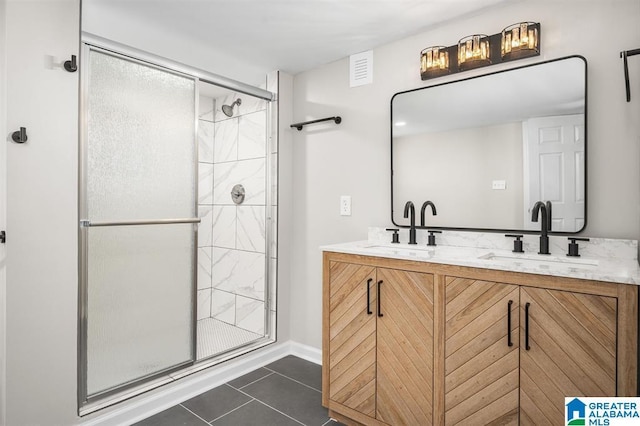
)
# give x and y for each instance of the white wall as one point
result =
(353, 157)
(42, 218)
(285, 205)
(3, 182)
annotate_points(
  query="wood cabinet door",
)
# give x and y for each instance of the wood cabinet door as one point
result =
(481, 352)
(352, 340)
(571, 351)
(405, 347)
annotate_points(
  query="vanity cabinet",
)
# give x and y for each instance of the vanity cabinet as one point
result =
(380, 344)
(512, 353)
(410, 342)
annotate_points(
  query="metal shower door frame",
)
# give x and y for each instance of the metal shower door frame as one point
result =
(87, 403)
(96, 402)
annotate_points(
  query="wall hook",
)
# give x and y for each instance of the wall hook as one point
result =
(19, 136)
(72, 65)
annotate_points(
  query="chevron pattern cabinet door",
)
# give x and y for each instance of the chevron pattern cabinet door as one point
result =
(572, 340)
(352, 345)
(481, 369)
(405, 348)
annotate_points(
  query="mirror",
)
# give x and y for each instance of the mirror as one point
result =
(485, 149)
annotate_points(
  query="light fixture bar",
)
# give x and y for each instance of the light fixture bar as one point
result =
(517, 41)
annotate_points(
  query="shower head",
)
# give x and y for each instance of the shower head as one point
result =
(228, 109)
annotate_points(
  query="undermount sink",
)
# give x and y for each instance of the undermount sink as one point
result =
(542, 261)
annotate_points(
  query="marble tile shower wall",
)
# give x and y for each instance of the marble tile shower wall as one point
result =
(231, 238)
(205, 204)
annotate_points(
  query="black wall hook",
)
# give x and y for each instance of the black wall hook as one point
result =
(20, 136)
(72, 65)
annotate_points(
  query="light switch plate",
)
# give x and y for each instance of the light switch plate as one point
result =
(345, 205)
(499, 184)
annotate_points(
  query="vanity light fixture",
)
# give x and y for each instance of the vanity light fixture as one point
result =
(517, 41)
(434, 61)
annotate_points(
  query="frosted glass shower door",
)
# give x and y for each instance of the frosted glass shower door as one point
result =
(138, 229)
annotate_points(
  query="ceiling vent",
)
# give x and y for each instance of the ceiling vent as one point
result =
(361, 68)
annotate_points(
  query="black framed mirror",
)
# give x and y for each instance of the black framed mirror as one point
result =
(484, 149)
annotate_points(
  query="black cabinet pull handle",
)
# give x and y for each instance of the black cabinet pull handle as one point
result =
(369, 312)
(526, 326)
(509, 341)
(379, 311)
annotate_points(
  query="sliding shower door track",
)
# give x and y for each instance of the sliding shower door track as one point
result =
(175, 376)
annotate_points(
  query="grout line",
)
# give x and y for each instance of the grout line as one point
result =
(241, 160)
(327, 422)
(206, 422)
(235, 249)
(264, 377)
(294, 380)
(237, 408)
(274, 409)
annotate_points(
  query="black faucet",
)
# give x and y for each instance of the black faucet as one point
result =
(544, 226)
(409, 207)
(424, 207)
(549, 215)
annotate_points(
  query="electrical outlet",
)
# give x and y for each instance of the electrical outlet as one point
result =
(345, 205)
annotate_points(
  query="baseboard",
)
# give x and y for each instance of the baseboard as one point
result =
(309, 353)
(169, 395)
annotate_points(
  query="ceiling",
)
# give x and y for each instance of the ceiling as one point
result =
(254, 37)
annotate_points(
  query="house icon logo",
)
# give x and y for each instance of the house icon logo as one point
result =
(576, 412)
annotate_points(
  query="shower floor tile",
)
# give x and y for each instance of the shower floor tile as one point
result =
(216, 336)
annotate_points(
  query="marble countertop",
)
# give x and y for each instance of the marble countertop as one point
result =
(591, 267)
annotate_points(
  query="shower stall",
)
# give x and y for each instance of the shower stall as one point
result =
(178, 208)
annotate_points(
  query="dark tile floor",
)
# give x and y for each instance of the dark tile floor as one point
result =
(285, 392)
